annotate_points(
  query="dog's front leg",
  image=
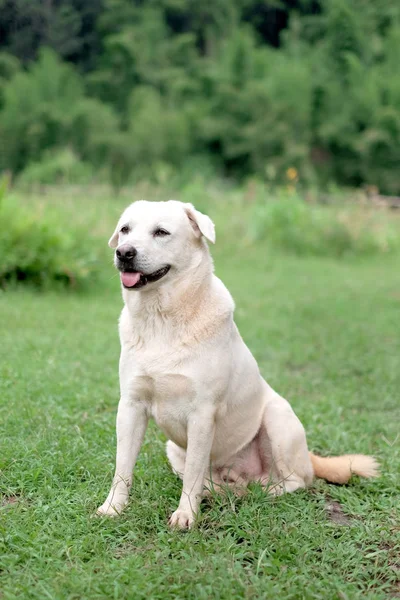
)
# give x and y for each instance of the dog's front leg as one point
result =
(132, 422)
(200, 439)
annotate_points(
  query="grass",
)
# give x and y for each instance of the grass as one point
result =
(325, 333)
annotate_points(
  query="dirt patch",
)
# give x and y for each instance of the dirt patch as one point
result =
(395, 591)
(7, 500)
(335, 513)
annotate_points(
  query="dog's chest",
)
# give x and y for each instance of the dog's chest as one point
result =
(154, 343)
(170, 398)
(158, 368)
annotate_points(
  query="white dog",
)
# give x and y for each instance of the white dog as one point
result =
(184, 363)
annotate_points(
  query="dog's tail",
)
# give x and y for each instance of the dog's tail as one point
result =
(339, 469)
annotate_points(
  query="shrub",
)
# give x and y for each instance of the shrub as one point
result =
(60, 167)
(158, 132)
(38, 249)
(155, 138)
(291, 224)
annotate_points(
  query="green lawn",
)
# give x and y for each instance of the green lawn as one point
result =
(326, 335)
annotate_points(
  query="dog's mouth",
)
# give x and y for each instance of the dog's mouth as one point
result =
(136, 280)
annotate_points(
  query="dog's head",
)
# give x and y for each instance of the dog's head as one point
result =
(155, 240)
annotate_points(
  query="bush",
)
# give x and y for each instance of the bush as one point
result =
(38, 249)
(60, 167)
(155, 139)
(289, 223)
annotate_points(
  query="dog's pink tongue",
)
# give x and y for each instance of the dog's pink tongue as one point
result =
(130, 279)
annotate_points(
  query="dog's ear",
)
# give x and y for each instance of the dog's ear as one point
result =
(201, 224)
(113, 241)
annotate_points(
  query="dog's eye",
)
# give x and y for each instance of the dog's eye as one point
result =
(161, 232)
(124, 229)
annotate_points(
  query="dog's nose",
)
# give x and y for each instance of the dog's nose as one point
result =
(126, 252)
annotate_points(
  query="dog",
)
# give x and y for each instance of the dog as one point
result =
(184, 363)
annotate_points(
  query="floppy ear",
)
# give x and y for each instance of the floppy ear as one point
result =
(201, 224)
(113, 241)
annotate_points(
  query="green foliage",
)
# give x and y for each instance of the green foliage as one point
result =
(154, 136)
(62, 238)
(175, 79)
(254, 117)
(66, 26)
(46, 109)
(36, 247)
(359, 106)
(60, 167)
(38, 112)
(158, 132)
(9, 66)
(291, 224)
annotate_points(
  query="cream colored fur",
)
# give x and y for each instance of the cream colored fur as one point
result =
(184, 364)
(339, 469)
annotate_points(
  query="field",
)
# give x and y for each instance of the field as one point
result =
(326, 334)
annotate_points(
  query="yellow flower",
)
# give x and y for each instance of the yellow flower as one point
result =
(292, 174)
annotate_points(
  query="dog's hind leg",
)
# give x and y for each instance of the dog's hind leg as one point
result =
(215, 479)
(283, 447)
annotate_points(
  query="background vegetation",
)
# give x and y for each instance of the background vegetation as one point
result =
(47, 239)
(126, 89)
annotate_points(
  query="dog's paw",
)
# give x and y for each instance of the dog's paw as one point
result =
(181, 519)
(109, 509)
(286, 486)
(276, 489)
